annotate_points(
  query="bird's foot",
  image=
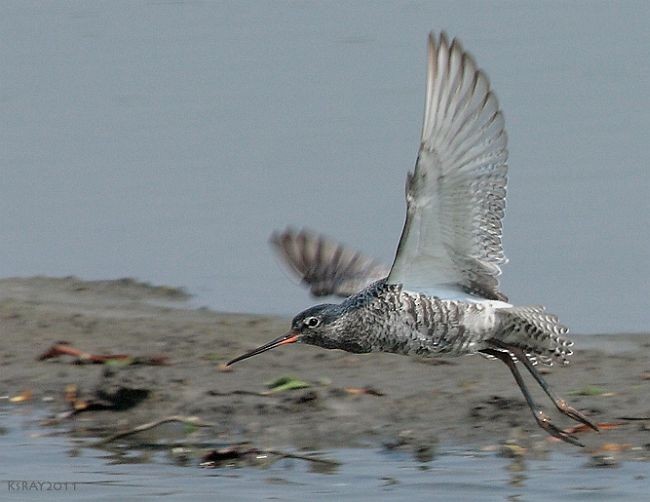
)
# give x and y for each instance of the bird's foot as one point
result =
(571, 412)
(545, 423)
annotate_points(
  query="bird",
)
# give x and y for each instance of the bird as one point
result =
(441, 296)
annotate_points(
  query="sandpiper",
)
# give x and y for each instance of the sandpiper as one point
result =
(441, 296)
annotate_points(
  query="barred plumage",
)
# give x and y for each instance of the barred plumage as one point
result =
(441, 296)
(538, 333)
(384, 316)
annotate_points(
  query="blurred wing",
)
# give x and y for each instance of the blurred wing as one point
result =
(455, 199)
(326, 266)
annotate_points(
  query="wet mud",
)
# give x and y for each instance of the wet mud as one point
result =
(296, 397)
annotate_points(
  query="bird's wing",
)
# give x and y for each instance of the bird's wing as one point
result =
(456, 196)
(326, 266)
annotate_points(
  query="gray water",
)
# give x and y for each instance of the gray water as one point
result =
(165, 140)
(37, 463)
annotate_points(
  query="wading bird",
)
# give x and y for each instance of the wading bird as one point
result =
(441, 296)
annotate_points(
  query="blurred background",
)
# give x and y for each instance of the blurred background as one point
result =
(165, 140)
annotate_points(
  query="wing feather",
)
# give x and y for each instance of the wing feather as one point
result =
(456, 196)
(326, 266)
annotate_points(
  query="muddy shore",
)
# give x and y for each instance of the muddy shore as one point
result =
(377, 400)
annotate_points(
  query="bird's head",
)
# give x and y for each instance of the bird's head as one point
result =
(314, 326)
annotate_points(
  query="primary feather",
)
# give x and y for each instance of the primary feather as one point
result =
(456, 197)
(326, 266)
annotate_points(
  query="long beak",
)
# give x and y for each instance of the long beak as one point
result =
(290, 337)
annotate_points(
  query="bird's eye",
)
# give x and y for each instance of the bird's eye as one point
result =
(312, 322)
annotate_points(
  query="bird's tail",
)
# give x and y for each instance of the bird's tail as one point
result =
(537, 332)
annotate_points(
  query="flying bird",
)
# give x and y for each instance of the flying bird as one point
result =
(441, 297)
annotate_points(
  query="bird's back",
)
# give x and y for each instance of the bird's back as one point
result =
(388, 318)
(391, 319)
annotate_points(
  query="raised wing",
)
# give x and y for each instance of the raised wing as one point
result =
(326, 266)
(451, 241)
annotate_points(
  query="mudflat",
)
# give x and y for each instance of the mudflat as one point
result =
(298, 396)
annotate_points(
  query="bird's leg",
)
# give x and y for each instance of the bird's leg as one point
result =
(540, 417)
(559, 402)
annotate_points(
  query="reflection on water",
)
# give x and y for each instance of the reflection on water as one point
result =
(30, 453)
(517, 470)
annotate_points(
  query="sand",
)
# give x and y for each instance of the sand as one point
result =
(377, 400)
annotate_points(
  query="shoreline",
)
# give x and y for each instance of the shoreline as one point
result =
(346, 400)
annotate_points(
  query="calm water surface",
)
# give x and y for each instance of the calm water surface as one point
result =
(30, 453)
(165, 140)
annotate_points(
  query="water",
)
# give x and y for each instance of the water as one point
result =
(165, 140)
(364, 474)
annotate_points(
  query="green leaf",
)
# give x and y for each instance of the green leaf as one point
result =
(119, 363)
(285, 383)
(189, 428)
(589, 390)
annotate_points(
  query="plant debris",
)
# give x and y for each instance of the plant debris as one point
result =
(119, 399)
(242, 452)
(23, 397)
(358, 391)
(65, 349)
(603, 426)
(192, 421)
(590, 390)
(285, 383)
